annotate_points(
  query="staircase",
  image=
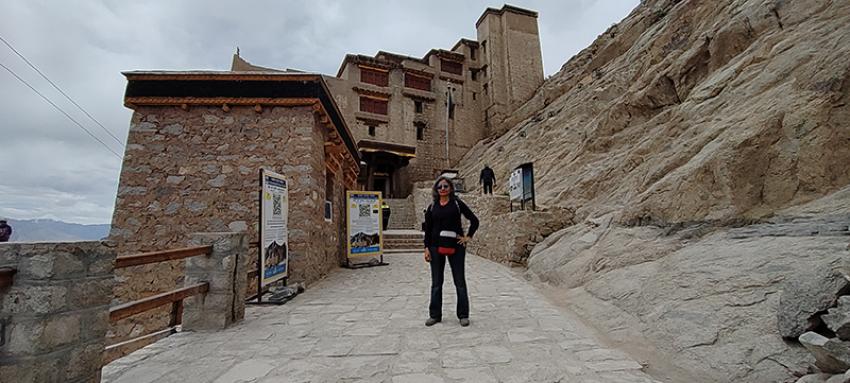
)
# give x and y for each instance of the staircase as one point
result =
(402, 214)
(403, 241)
(403, 233)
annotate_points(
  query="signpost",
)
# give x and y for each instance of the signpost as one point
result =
(521, 186)
(273, 262)
(365, 236)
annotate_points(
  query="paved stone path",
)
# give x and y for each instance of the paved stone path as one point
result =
(367, 325)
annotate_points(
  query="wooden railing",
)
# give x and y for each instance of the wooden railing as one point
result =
(174, 298)
(161, 256)
(7, 276)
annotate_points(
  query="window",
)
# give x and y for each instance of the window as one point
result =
(329, 193)
(420, 130)
(473, 74)
(452, 67)
(484, 71)
(486, 88)
(473, 53)
(484, 47)
(374, 77)
(417, 106)
(473, 95)
(374, 105)
(452, 111)
(417, 82)
(372, 130)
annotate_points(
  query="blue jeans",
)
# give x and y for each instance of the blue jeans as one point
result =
(438, 267)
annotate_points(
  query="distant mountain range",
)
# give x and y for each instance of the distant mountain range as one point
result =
(48, 230)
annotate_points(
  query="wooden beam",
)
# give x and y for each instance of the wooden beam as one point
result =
(217, 101)
(224, 76)
(161, 256)
(121, 349)
(129, 309)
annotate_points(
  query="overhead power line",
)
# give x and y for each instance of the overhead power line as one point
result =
(60, 110)
(61, 91)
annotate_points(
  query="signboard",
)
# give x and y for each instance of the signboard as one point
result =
(515, 184)
(274, 214)
(363, 223)
(521, 186)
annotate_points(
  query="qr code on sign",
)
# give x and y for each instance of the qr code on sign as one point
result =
(365, 210)
(277, 205)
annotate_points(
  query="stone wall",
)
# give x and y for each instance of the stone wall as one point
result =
(510, 237)
(196, 170)
(54, 317)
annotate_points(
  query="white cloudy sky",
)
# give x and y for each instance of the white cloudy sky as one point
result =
(49, 168)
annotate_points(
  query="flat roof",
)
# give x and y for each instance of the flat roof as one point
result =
(505, 8)
(194, 86)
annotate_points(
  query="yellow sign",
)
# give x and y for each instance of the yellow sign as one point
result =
(364, 220)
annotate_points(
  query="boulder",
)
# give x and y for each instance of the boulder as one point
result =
(840, 378)
(832, 355)
(838, 319)
(814, 378)
(806, 295)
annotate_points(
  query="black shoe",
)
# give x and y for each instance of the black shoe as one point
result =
(464, 322)
(431, 321)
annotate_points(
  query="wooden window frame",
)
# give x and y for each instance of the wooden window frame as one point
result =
(374, 76)
(417, 82)
(452, 67)
(374, 105)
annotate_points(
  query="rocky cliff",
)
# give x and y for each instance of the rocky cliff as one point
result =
(703, 147)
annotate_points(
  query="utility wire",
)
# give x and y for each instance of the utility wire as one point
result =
(60, 110)
(60, 90)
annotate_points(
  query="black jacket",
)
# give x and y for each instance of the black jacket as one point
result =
(487, 176)
(439, 218)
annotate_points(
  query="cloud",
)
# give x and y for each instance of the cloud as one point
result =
(49, 168)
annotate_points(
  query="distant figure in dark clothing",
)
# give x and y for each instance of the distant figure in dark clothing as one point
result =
(5, 231)
(487, 178)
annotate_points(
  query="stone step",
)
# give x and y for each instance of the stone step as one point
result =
(403, 240)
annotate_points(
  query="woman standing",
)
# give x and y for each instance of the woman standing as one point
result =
(444, 239)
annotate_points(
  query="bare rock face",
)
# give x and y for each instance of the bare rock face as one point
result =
(838, 318)
(832, 355)
(691, 110)
(806, 296)
(702, 146)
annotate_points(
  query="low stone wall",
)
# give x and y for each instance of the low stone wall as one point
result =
(54, 317)
(509, 237)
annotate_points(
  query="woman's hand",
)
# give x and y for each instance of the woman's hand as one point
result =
(463, 240)
(427, 255)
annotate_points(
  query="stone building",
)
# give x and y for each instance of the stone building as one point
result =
(397, 107)
(197, 141)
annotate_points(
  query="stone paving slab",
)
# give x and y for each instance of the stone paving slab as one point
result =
(367, 325)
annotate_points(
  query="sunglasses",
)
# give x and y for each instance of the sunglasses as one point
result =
(443, 186)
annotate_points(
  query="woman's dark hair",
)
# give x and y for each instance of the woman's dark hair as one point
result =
(436, 195)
